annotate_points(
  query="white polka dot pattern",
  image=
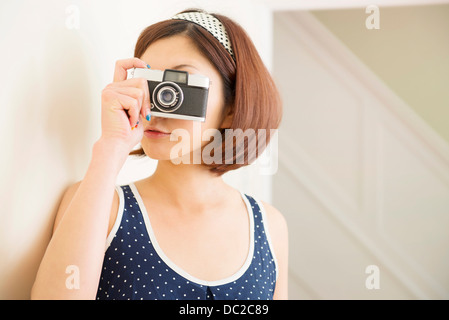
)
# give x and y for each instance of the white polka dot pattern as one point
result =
(133, 270)
(211, 24)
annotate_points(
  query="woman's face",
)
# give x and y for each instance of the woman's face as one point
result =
(179, 52)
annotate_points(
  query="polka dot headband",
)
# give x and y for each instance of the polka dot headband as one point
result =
(211, 24)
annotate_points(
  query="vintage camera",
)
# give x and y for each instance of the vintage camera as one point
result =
(174, 93)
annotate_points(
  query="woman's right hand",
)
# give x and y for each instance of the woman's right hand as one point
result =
(122, 103)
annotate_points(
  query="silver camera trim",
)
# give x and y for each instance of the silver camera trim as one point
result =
(195, 80)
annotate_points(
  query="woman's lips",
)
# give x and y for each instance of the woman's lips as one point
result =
(155, 134)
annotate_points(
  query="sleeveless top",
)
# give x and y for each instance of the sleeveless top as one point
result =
(135, 267)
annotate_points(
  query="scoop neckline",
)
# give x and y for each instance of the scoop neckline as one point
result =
(181, 271)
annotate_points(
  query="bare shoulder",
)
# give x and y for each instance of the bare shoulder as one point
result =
(276, 222)
(277, 227)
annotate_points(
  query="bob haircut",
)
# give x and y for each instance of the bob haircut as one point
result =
(250, 94)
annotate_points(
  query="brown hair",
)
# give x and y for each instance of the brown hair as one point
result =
(249, 91)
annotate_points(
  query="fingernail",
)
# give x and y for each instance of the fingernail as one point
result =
(148, 117)
(148, 66)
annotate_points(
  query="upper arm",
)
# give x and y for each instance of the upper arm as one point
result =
(67, 198)
(277, 227)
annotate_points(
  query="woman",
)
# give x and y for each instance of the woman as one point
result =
(181, 233)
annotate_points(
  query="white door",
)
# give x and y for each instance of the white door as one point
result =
(363, 182)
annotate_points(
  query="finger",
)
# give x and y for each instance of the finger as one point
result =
(141, 96)
(131, 82)
(121, 66)
(136, 93)
(132, 107)
(139, 83)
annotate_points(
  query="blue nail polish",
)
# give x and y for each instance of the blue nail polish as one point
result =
(148, 66)
(148, 117)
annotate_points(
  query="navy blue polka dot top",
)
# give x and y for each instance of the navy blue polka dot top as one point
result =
(136, 268)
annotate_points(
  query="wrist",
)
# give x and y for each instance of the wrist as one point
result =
(109, 154)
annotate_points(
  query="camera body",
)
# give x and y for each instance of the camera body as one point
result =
(174, 93)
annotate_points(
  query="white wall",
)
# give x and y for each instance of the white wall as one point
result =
(408, 36)
(50, 86)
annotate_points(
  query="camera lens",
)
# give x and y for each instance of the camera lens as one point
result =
(168, 96)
